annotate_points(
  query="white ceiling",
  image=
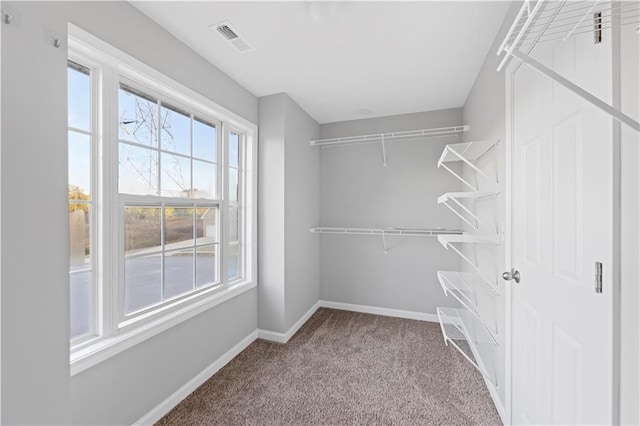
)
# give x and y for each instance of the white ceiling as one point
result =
(389, 57)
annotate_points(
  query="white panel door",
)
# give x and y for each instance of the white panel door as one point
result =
(562, 226)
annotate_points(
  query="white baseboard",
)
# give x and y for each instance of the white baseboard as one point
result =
(284, 337)
(493, 391)
(174, 399)
(387, 312)
(274, 336)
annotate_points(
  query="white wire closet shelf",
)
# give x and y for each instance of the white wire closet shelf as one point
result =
(450, 241)
(462, 286)
(386, 232)
(467, 335)
(543, 21)
(407, 232)
(452, 201)
(447, 240)
(474, 195)
(457, 279)
(439, 132)
(383, 138)
(468, 153)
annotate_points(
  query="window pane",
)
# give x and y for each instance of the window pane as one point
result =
(81, 294)
(234, 141)
(233, 224)
(176, 130)
(204, 179)
(137, 118)
(176, 176)
(79, 149)
(79, 236)
(79, 99)
(178, 272)
(207, 222)
(178, 227)
(142, 282)
(204, 140)
(138, 170)
(233, 185)
(206, 265)
(142, 229)
(234, 260)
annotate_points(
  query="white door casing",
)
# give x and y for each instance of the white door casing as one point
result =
(561, 225)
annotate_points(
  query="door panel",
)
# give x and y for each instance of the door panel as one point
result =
(567, 366)
(561, 225)
(530, 364)
(567, 197)
(532, 202)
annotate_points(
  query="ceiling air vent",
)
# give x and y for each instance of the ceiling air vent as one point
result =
(232, 36)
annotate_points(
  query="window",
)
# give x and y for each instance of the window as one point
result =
(235, 196)
(81, 229)
(161, 216)
(168, 187)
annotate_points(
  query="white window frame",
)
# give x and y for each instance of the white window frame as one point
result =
(241, 202)
(114, 332)
(95, 184)
(122, 200)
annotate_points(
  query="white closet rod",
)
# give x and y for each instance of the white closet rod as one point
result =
(593, 100)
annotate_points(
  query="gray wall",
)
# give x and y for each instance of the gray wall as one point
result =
(484, 112)
(302, 211)
(36, 386)
(125, 387)
(35, 293)
(271, 276)
(357, 191)
(288, 207)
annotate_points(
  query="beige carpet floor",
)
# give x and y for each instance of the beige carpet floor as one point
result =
(344, 368)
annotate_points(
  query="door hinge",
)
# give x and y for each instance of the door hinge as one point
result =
(598, 277)
(597, 28)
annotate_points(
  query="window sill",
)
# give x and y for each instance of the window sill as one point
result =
(89, 356)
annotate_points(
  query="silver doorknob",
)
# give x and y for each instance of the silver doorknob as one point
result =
(513, 275)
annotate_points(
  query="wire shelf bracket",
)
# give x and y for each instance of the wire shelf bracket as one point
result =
(462, 286)
(548, 21)
(385, 232)
(451, 200)
(450, 241)
(468, 153)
